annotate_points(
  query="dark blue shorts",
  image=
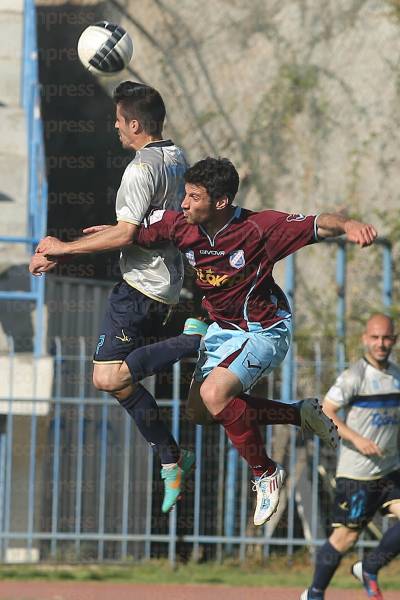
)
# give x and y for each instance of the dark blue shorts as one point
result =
(357, 501)
(132, 320)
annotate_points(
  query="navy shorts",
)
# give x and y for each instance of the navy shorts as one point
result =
(357, 501)
(132, 320)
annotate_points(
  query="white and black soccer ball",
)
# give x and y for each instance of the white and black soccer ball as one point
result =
(104, 48)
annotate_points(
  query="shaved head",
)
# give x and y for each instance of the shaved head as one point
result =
(379, 338)
(380, 321)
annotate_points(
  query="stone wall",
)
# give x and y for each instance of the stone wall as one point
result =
(303, 96)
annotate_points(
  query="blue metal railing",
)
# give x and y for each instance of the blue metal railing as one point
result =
(87, 505)
(37, 181)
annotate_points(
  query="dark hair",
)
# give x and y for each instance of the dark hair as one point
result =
(217, 175)
(143, 103)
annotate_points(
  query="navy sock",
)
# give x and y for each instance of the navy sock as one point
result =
(387, 549)
(327, 561)
(146, 360)
(143, 409)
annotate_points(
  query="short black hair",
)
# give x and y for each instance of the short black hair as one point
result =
(143, 103)
(217, 175)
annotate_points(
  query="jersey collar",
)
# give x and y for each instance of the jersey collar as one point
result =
(236, 214)
(158, 144)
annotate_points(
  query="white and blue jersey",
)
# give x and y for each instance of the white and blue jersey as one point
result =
(153, 180)
(371, 399)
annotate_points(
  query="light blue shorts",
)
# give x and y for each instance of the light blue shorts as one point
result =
(247, 354)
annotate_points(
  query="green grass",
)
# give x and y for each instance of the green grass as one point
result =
(275, 572)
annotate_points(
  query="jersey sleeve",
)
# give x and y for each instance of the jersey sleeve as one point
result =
(159, 226)
(285, 233)
(345, 387)
(135, 194)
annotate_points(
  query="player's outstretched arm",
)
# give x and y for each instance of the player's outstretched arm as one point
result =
(334, 224)
(111, 237)
(362, 444)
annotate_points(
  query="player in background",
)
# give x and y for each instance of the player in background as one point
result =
(368, 471)
(151, 279)
(233, 251)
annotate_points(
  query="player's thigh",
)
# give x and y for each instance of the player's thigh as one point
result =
(391, 494)
(126, 323)
(356, 502)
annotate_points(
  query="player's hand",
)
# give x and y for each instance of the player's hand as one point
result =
(95, 228)
(360, 233)
(40, 264)
(367, 446)
(51, 246)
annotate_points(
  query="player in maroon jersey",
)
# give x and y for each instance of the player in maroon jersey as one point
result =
(233, 251)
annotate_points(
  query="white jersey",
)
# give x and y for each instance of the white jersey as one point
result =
(371, 398)
(153, 180)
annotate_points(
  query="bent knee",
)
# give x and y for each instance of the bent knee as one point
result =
(209, 393)
(106, 382)
(344, 538)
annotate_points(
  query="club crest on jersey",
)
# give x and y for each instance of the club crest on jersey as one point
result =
(237, 260)
(190, 257)
(298, 217)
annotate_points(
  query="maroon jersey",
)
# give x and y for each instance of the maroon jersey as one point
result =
(234, 266)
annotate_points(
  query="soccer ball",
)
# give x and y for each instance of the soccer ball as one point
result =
(105, 49)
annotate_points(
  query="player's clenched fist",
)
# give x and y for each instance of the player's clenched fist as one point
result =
(51, 246)
(41, 264)
(360, 233)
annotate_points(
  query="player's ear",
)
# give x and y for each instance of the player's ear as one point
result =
(135, 126)
(222, 202)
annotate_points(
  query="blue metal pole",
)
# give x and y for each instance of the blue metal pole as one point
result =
(56, 455)
(387, 275)
(231, 473)
(103, 479)
(10, 426)
(287, 366)
(316, 452)
(80, 440)
(197, 491)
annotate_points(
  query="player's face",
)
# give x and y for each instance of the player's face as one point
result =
(124, 129)
(379, 340)
(197, 206)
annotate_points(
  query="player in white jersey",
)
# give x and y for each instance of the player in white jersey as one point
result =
(151, 279)
(368, 470)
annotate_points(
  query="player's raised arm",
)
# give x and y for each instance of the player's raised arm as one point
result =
(334, 224)
(111, 238)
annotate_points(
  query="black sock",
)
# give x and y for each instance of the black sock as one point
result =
(146, 360)
(327, 561)
(387, 549)
(143, 409)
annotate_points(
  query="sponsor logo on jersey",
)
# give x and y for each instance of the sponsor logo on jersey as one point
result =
(190, 257)
(213, 252)
(208, 276)
(294, 217)
(382, 420)
(237, 260)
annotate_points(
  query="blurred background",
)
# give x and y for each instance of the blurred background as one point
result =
(303, 97)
